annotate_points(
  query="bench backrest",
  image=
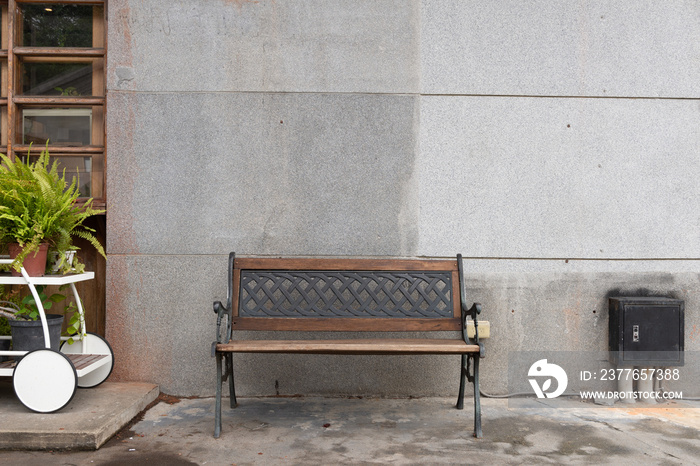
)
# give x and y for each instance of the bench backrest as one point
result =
(333, 294)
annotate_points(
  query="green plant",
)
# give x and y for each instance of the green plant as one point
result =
(5, 297)
(26, 309)
(69, 91)
(4, 326)
(38, 205)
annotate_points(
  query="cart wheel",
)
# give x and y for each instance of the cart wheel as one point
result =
(93, 344)
(45, 380)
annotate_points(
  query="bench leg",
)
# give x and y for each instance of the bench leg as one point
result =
(220, 378)
(474, 379)
(217, 408)
(477, 397)
(231, 384)
(462, 381)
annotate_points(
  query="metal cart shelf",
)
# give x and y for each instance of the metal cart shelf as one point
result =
(46, 380)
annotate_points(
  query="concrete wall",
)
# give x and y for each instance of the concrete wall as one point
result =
(554, 144)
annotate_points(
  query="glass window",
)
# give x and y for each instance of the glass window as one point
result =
(83, 169)
(67, 79)
(49, 25)
(57, 126)
(52, 88)
(3, 125)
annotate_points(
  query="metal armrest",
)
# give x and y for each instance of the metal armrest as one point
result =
(472, 312)
(221, 312)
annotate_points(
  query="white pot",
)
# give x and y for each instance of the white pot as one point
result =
(68, 256)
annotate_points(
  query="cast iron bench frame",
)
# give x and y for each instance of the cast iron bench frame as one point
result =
(347, 295)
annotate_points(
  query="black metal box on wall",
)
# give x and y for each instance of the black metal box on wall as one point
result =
(646, 332)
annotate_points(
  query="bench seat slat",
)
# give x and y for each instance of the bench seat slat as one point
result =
(350, 346)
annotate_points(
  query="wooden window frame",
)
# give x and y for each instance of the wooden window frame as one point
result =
(12, 101)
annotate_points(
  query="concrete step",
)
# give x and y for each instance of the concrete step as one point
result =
(88, 421)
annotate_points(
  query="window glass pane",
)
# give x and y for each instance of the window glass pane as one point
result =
(48, 25)
(71, 79)
(4, 70)
(59, 126)
(4, 24)
(80, 167)
(3, 128)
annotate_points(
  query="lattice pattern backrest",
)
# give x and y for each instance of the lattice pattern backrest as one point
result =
(276, 293)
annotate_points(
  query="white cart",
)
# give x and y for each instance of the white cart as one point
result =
(46, 380)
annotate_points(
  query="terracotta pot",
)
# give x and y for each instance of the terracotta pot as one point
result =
(34, 263)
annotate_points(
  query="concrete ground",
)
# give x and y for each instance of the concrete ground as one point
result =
(311, 430)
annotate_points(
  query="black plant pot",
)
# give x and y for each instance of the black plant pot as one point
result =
(28, 335)
(4, 346)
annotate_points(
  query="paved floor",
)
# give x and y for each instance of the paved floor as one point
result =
(390, 431)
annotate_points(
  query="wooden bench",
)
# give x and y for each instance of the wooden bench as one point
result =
(348, 295)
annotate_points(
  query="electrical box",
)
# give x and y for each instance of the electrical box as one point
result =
(646, 331)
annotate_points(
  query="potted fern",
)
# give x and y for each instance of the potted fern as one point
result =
(37, 206)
